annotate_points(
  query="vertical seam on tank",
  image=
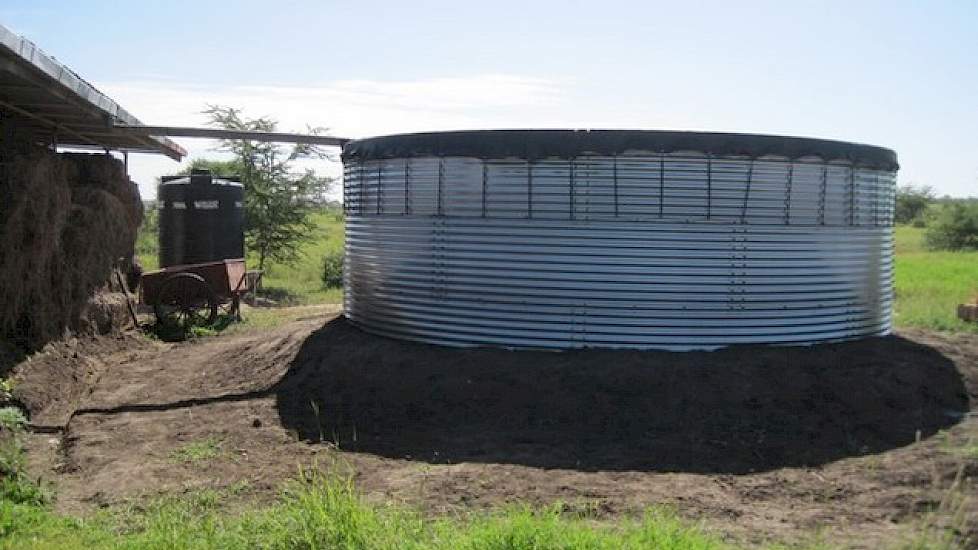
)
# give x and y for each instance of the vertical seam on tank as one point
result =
(750, 177)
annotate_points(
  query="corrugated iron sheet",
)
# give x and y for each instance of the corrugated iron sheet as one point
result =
(635, 251)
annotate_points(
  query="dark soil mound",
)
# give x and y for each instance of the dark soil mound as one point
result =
(736, 410)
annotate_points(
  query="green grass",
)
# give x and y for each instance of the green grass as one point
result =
(16, 486)
(302, 283)
(929, 284)
(199, 451)
(324, 511)
(966, 449)
(252, 318)
(147, 238)
(12, 419)
(328, 512)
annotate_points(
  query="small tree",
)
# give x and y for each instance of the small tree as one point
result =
(278, 199)
(911, 202)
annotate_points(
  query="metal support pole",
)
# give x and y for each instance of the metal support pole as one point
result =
(573, 169)
(614, 176)
(750, 177)
(787, 194)
(485, 185)
(407, 187)
(662, 184)
(380, 187)
(441, 185)
(821, 198)
(709, 185)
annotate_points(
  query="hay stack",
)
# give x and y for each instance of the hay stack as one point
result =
(65, 221)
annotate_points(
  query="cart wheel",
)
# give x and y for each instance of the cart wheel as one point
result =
(186, 300)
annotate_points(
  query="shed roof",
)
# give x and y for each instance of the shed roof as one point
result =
(53, 104)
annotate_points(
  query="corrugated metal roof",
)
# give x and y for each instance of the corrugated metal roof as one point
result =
(52, 104)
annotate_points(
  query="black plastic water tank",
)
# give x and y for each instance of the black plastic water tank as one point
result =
(201, 219)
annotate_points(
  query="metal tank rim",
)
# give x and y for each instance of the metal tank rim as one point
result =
(532, 144)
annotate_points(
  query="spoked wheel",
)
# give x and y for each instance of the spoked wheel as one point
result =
(185, 300)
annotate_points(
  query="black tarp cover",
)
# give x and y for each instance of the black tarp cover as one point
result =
(539, 144)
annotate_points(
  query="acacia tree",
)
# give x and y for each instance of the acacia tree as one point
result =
(278, 198)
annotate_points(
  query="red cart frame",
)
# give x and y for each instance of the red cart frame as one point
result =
(192, 294)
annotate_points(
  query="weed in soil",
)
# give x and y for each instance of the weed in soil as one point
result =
(945, 526)
(199, 451)
(12, 419)
(965, 449)
(16, 485)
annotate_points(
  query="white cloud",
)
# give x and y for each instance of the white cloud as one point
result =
(350, 108)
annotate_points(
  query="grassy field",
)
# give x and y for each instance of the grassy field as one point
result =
(929, 285)
(302, 283)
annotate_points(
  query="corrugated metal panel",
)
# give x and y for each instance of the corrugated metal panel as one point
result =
(639, 251)
(59, 106)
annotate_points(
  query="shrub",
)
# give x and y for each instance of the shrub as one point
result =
(333, 270)
(955, 227)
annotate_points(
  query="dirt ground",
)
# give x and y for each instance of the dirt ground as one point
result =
(859, 441)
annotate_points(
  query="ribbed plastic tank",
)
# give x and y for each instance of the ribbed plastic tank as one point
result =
(201, 219)
(618, 239)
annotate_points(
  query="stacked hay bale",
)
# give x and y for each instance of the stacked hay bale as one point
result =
(65, 222)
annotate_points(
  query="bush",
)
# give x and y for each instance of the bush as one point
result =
(333, 270)
(955, 227)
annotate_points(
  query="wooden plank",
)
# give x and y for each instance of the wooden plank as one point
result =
(968, 312)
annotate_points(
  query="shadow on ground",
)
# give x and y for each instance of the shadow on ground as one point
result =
(736, 410)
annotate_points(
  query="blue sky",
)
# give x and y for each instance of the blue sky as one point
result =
(900, 75)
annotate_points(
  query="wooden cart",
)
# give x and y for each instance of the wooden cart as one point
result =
(194, 294)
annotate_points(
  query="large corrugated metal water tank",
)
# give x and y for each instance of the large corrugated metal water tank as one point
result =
(618, 239)
(201, 219)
